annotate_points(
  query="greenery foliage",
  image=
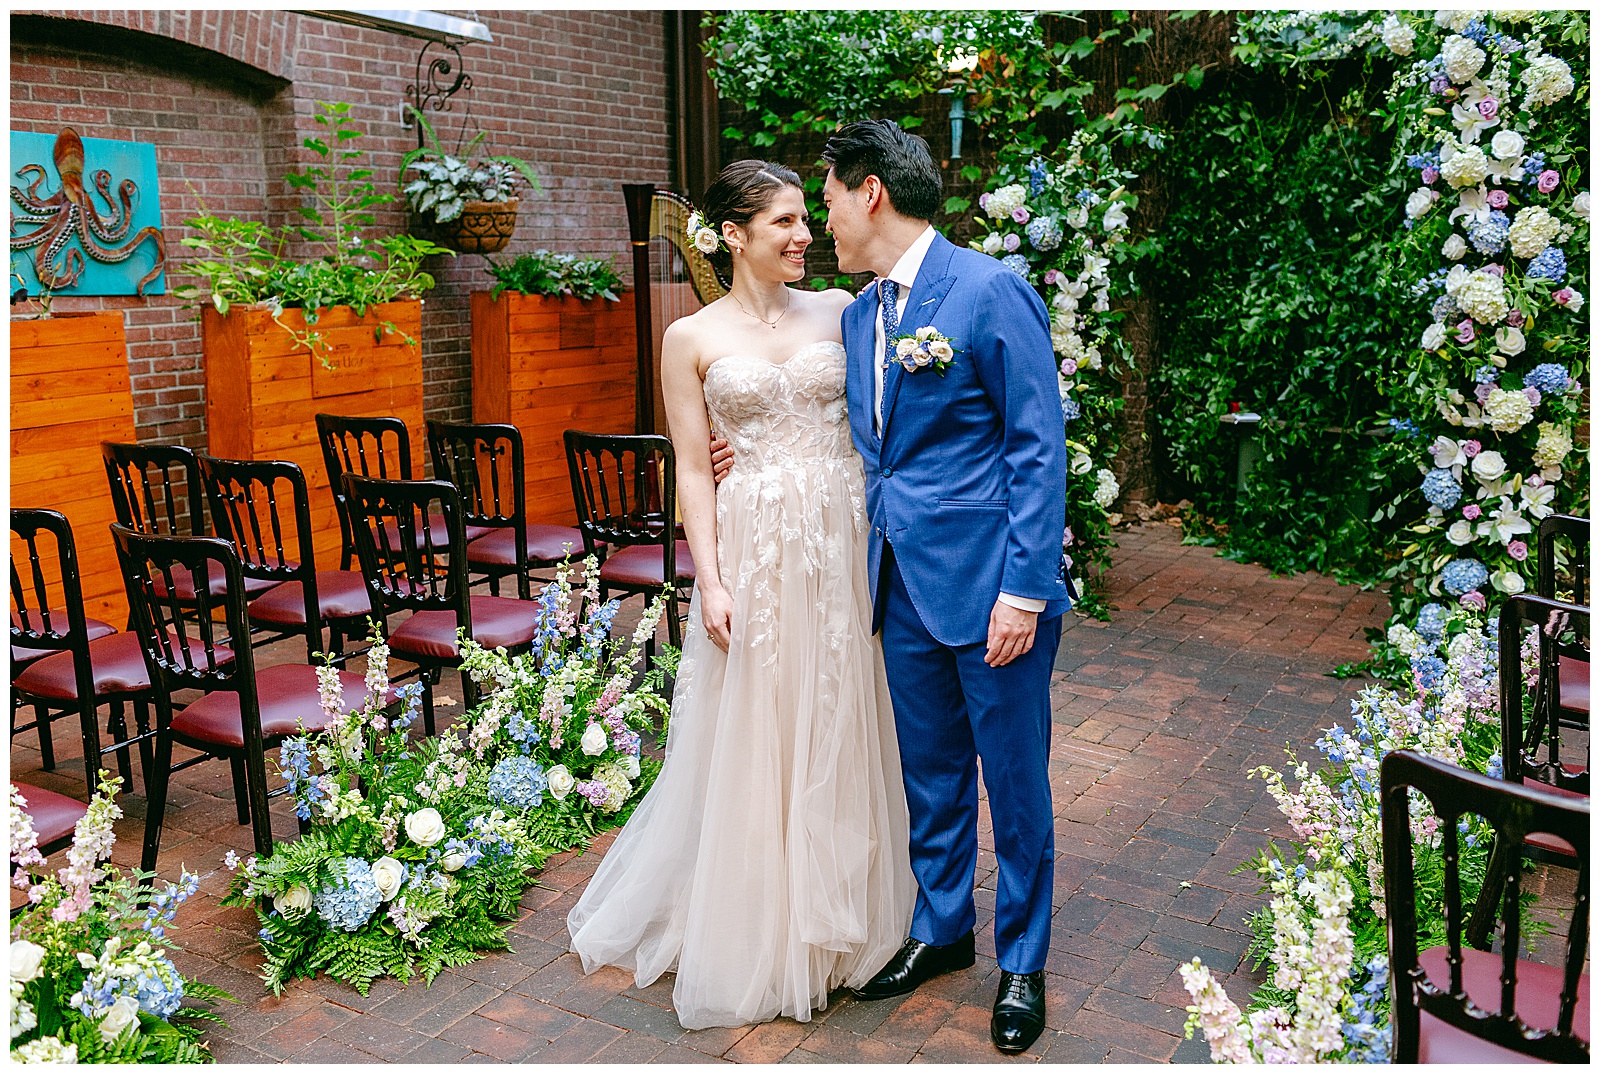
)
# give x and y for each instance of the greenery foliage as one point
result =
(545, 273)
(445, 182)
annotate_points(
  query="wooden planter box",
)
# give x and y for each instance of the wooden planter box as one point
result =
(548, 364)
(263, 390)
(69, 392)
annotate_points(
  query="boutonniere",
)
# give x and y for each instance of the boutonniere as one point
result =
(928, 348)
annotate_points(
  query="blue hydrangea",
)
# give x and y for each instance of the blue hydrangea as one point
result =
(517, 783)
(1430, 670)
(1551, 264)
(1420, 161)
(1044, 233)
(1489, 236)
(1016, 263)
(1549, 378)
(1070, 410)
(1038, 172)
(1463, 576)
(1446, 310)
(1087, 198)
(347, 902)
(1532, 165)
(1404, 427)
(155, 983)
(1441, 489)
(1486, 374)
(1431, 620)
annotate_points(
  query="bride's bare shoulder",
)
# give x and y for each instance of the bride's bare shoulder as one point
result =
(833, 300)
(690, 332)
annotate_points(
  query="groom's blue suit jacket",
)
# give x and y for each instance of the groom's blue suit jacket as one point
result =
(968, 481)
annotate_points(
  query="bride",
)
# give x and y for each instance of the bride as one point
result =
(769, 864)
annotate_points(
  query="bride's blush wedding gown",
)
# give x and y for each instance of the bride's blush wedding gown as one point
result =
(768, 864)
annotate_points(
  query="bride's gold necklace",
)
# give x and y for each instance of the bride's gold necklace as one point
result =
(770, 324)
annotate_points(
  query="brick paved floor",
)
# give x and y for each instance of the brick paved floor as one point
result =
(1207, 669)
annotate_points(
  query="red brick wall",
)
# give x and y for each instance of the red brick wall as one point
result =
(580, 95)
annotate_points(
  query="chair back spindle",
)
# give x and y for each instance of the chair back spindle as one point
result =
(371, 447)
(146, 490)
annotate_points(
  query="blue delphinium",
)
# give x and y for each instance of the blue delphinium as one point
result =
(1016, 263)
(1404, 427)
(1430, 670)
(517, 783)
(294, 760)
(1507, 43)
(1441, 489)
(524, 731)
(1494, 768)
(1070, 410)
(411, 694)
(1420, 161)
(598, 628)
(1044, 233)
(1532, 165)
(1549, 378)
(1087, 198)
(1367, 1030)
(1486, 374)
(164, 907)
(1551, 264)
(1476, 32)
(1463, 576)
(1431, 621)
(1038, 172)
(348, 901)
(1488, 236)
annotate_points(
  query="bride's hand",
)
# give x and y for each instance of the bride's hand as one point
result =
(716, 612)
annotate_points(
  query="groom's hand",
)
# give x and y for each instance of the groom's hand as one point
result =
(721, 458)
(1011, 633)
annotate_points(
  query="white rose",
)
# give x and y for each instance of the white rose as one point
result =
(941, 351)
(1508, 582)
(453, 862)
(1488, 466)
(1433, 337)
(1507, 145)
(123, 1013)
(992, 244)
(1116, 217)
(1420, 201)
(630, 766)
(1580, 205)
(1081, 463)
(26, 958)
(388, 874)
(1459, 533)
(594, 741)
(1456, 279)
(425, 827)
(294, 902)
(904, 349)
(561, 781)
(1510, 340)
(1078, 217)
(1455, 247)
(705, 240)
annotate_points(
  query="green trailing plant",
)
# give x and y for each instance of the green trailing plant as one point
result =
(247, 262)
(445, 182)
(545, 273)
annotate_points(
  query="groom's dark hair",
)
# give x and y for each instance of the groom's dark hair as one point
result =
(901, 162)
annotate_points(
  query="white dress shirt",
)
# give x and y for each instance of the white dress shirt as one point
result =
(904, 273)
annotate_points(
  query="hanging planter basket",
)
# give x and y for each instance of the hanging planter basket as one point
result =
(484, 227)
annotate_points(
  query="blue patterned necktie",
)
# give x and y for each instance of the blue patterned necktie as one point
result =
(888, 302)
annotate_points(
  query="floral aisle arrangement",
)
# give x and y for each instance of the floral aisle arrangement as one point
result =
(560, 727)
(1492, 110)
(90, 978)
(1326, 998)
(1061, 223)
(411, 862)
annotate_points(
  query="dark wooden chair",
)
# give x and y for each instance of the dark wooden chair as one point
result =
(191, 645)
(1455, 1004)
(1566, 693)
(55, 816)
(411, 562)
(370, 447)
(79, 667)
(1531, 752)
(625, 491)
(253, 505)
(485, 464)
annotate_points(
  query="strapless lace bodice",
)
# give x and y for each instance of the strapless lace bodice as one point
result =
(788, 415)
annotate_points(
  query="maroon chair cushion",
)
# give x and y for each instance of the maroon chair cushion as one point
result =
(496, 621)
(1554, 844)
(54, 815)
(288, 697)
(185, 580)
(1573, 675)
(21, 657)
(1538, 1005)
(340, 595)
(545, 545)
(117, 665)
(640, 565)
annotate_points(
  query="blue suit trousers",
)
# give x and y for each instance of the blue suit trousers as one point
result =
(951, 710)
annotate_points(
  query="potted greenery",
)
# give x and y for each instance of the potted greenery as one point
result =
(553, 348)
(469, 203)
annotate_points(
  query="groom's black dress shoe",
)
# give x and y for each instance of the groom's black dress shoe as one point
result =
(1018, 1011)
(917, 962)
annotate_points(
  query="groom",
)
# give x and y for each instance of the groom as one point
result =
(966, 492)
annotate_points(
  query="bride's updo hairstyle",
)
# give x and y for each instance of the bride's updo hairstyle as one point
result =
(740, 191)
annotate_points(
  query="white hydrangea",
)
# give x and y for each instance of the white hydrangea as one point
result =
(1555, 443)
(1066, 342)
(1483, 296)
(1454, 21)
(1398, 38)
(1455, 247)
(1465, 167)
(1511, 18)
(1007, 199)
(1105, 488)
(1462, 58)
(1532, 230)
(1547, 79)
(1507, 411)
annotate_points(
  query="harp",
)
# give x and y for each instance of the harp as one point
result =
(671, 279)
